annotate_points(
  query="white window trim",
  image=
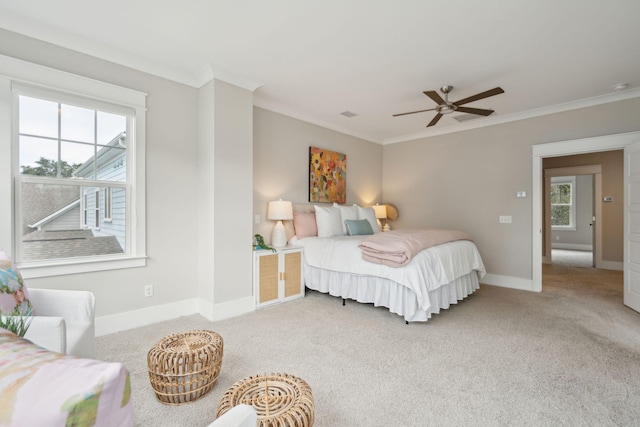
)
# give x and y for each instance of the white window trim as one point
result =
(572, 218)
(16, 73)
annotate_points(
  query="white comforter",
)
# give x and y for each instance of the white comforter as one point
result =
(428, 270)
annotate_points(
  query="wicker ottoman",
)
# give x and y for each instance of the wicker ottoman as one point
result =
(184, 367)
(279, 399)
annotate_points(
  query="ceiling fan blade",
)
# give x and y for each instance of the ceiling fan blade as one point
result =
(413, 112)
(479, 111)
(435, 120)
(486, 94)
(434, 95)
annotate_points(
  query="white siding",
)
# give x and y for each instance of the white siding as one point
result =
(68, 221)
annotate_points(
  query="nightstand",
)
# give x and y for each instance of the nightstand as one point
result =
(277, 276)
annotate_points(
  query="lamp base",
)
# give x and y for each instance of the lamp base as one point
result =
(386, 227)
(279, 236)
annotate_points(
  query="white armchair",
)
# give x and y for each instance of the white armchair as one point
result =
(63, 321)
(238, 416)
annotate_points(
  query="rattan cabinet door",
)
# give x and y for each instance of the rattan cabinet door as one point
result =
(267, 272)
(292, 274)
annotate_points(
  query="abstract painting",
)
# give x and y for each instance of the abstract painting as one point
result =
(327, 176)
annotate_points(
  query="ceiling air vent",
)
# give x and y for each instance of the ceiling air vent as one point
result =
(464, 117)
(348, 114)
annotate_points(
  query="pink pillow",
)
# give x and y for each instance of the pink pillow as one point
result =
(305, 224)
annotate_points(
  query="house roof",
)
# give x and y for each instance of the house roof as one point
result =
(55, 214)
(40, 245)
(315, 60)
(39, 202)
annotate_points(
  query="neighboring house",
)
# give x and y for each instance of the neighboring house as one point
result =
(90, 221)
(103, 209)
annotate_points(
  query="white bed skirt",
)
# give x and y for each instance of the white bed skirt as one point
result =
(386, 293)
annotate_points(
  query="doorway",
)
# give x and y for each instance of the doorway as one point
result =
(554, 149)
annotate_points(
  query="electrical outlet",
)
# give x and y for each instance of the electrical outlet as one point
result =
(148, 291)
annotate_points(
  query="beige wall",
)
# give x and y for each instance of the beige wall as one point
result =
(281, 163)
(171, 159)
(233, 195)
(466, 180)
(612, 163)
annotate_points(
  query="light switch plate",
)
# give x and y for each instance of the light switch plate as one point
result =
(521, 194)
(505, 219)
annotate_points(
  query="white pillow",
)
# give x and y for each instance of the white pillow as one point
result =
(370, 215)
(346, 212)
(328, 221)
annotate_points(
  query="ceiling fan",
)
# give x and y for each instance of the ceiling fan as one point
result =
(445, 106)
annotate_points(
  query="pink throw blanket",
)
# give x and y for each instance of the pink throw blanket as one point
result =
(396, 248)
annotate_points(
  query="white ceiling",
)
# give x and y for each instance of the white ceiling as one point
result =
(315, 59)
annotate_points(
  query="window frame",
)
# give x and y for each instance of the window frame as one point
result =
(561, 180)
(24, 78)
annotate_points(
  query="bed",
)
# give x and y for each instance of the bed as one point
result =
(430, 281)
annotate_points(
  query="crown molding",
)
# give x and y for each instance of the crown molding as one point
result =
(280, 109)
(210, 71)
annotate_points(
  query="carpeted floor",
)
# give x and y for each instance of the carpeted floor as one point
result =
(569, 355)
(572, 258)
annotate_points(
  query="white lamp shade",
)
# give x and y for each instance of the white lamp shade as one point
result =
(381, 211)
(279, 210)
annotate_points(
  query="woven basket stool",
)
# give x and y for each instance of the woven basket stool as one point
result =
(184, 367)
(280, 400)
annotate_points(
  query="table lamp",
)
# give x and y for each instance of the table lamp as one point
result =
(381, 213)
(278, 211)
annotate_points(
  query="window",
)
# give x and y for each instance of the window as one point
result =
(107, 204)
(563, 215)
(78, 168)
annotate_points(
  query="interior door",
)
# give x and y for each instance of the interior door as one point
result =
(632, 226)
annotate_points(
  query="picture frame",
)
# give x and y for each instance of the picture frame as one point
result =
(327, 176)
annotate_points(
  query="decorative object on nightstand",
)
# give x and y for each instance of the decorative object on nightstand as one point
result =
(381, 213)
(278, 211)
(277, 277)
(260, 244)
(392, 213)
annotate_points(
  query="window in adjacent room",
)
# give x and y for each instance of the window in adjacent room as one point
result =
(563, 213)
(74, 169)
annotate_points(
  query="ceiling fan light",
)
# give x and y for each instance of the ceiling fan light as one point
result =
(446, 109)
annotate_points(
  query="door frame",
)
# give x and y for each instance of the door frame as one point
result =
(596, 172)
(555, 149)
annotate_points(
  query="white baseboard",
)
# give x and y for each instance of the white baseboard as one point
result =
(507, 282)
(146, 316)
(226, 310)
(572, 246)
(612, 265)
